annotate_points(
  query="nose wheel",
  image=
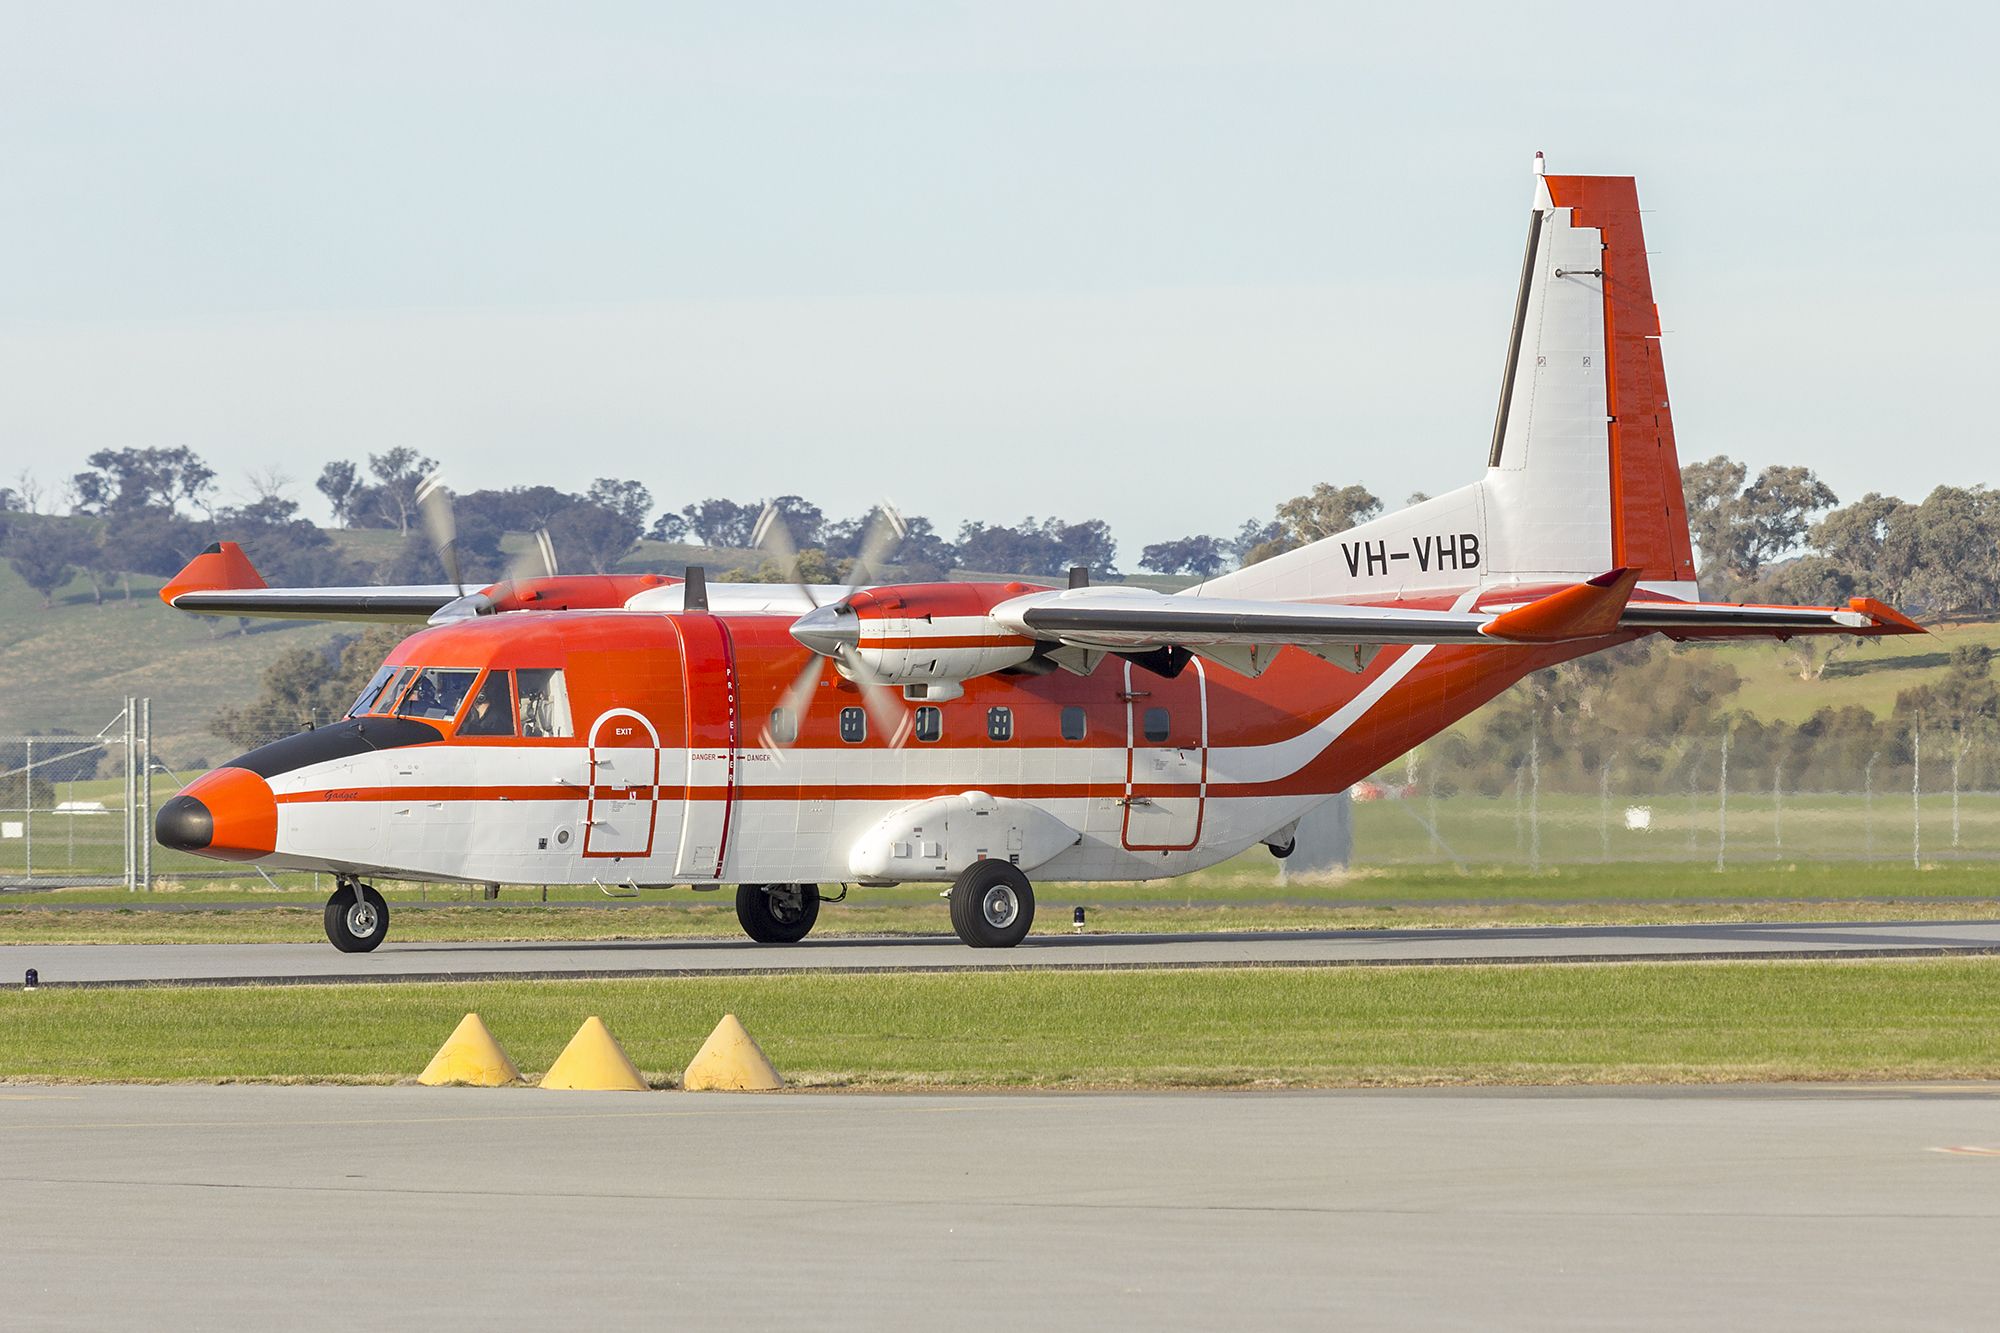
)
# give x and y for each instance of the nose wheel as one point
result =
(356, 917)
(992, 905)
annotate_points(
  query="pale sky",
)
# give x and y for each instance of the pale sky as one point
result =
(1160, 264)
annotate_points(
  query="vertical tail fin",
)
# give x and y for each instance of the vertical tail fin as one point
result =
(1582, 473)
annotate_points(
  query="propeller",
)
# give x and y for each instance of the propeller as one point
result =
(832, 631)
(434, 507)
(434, 504)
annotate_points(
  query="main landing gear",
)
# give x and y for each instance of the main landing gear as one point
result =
(356, 917)
(777, 913)
(992, 905)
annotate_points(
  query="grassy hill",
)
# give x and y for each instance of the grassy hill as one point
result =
(71, 665)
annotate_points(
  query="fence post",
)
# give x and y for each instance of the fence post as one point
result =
(1778, 810)
(1916, 800)
(1868, 805)
(146, 792)
(1535, 797)
(1957, 748)
(130, 741)
(28, 802)
(1722, 807)
(1604, 811)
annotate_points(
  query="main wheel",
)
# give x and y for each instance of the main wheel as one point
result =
(777, 913)
(992, 905)
(356, 922)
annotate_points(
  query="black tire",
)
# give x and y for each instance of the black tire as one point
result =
(356, 923)
(992, 905)
(770, 918)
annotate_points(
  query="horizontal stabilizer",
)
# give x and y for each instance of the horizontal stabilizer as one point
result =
(1717, 620)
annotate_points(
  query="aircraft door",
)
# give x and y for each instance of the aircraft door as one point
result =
(714, 738)
(624, 785)
(1166, 758)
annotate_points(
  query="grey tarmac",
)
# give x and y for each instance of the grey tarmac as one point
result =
(130, 964)
(1833, 1207)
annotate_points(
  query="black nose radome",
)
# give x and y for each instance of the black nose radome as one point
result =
(184, 824)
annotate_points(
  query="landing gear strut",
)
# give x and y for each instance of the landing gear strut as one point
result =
(992, 905)
(356, 917)
(777, 913)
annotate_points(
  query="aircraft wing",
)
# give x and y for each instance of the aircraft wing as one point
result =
(222, 582)
(1247, 633)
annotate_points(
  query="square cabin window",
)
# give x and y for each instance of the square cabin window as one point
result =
(1074, 726)
(930, 724)
(1158, 722)
(999, 724)
(784, 726)
(853, 725)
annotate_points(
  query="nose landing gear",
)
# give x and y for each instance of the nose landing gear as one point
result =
(356, 917)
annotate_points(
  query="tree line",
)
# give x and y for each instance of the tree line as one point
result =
(1780, 536)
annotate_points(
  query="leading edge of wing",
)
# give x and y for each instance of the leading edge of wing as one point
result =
(1156, 621)
(1595, 609)
(417, 602)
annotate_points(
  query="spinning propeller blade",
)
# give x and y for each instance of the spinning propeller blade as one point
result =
(884, 703)
(434, 503)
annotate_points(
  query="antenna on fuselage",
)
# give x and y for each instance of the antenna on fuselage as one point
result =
(694, 592)
(1079, 576)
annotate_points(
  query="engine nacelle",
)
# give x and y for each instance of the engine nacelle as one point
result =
(938, 838)
(923, 637)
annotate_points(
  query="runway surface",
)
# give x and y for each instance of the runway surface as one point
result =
(1772, 1208)
(116, 964)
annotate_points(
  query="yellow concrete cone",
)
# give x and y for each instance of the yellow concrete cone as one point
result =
(471, 1056)
(594, 1062)
(730, 1061)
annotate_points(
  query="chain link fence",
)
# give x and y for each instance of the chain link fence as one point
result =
(1709, 807)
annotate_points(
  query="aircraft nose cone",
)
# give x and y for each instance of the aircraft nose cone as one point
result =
(229, 814)
(184, 824)
(829, 630)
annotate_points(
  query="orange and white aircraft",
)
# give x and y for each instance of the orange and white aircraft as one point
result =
(645, 730)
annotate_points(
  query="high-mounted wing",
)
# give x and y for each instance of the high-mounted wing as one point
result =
(221, 581)
(1247, 633)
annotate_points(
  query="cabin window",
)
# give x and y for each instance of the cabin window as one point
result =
(492, 711)
(1158, 723)
(853, 725)
(370, 690)
(544, 702)
(930, 723)
(999, 724)
(1074, 724)
(437, 694)
(784, 728)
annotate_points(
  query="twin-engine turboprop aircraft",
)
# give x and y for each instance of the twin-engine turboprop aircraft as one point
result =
(644, 730)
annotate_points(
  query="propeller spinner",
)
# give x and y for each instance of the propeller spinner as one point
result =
(833, 631)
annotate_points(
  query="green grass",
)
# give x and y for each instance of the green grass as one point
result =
(1243, 894)
(1870, 674)
(1603, 1024)
(491, 924)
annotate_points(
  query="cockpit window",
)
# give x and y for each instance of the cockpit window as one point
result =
(544, 702)
(492, 711)
(382, 700)
(437, 694)
(370, 690)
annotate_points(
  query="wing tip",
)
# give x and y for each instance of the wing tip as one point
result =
(1888, 619)
(220, 566)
